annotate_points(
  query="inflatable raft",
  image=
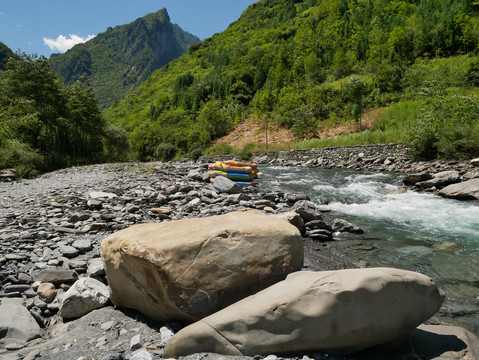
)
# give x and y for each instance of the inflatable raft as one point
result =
(240, 172)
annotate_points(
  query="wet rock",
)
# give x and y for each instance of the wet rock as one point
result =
(466, 190)
(307, 210)
(345, 226)
(412, 179)
(441, 179)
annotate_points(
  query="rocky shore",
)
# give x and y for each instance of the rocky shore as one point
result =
(51, 229)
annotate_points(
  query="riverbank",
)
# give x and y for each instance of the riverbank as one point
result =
(54, 225)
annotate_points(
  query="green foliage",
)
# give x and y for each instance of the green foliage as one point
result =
(305, 124)
(308, 63)
(116, 144)
(246, 153)
(220, 149)
(122, 57)
(165, 151)
(45, 122)
(448, 127)
(14, 154)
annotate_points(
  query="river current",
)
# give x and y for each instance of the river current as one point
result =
(402, 228)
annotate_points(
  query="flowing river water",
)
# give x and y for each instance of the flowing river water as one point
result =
(402, 228)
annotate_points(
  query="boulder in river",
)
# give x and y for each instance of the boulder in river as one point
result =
(467, 190)
(338, 312)
(441, 179)
(186, 269)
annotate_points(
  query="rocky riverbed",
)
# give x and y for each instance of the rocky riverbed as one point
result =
(51, 229)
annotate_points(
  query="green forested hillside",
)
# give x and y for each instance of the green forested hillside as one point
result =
(308, 64)
(5, 54)
(122, 57)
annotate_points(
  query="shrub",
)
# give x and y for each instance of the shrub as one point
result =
(22, 158)
(246, 152)
(165, 151)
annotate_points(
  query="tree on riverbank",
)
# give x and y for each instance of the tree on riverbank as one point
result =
(44, 123)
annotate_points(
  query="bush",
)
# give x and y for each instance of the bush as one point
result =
(116, 144)
(22, 158)
(165, 152)
(220, 149)
(246, 153)
(448, 127)
(195, 151)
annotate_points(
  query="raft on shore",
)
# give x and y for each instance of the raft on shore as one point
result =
(240, 172)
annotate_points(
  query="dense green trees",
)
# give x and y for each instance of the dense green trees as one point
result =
(45, 124)
(301, 63)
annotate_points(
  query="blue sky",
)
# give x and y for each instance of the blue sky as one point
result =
(38, 26)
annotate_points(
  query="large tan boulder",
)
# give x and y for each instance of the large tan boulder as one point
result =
(187, 269)
(338, 312)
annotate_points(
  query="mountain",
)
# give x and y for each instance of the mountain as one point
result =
(306, 64)
(5, 54)
(120, 58)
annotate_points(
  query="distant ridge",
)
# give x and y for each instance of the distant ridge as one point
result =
(120, 58)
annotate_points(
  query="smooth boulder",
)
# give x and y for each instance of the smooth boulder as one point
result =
(338, 312)
(467, 190)
(187, 269)
(17, 325)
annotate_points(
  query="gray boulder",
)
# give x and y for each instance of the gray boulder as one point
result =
(441, 179)
(85, 295)
(345, 226)
(225, 185)
(338, 312)
(307, 210)
(466, 190)
(17, 325)
(412, 179)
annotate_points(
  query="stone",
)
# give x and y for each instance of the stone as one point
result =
(95, 267)
(345, 226)
(307, 210)
(8, 173)
(186, 269)
(441, 179)
(337, 312)
(135, 343)
(68, 251)
(225, 185)
(85, 295)
(56, 276)
(142, 354)
(293, 218)
(82, 245)
(412, 179)
(17, 325)
(474, 162)
(47, 292)
(465, 190)
(452, 341)
(101, 195)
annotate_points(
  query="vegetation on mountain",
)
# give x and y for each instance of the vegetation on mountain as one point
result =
(46, 124)
(5, 54)
(310, 64)
(120, 58)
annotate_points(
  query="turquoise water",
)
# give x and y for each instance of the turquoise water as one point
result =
(410, 230)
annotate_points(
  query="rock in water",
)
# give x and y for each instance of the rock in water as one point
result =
(337, 312)
(187, 269)
(465, 190)
(85, 295)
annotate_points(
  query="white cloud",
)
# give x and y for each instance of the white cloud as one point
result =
(62, 43)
